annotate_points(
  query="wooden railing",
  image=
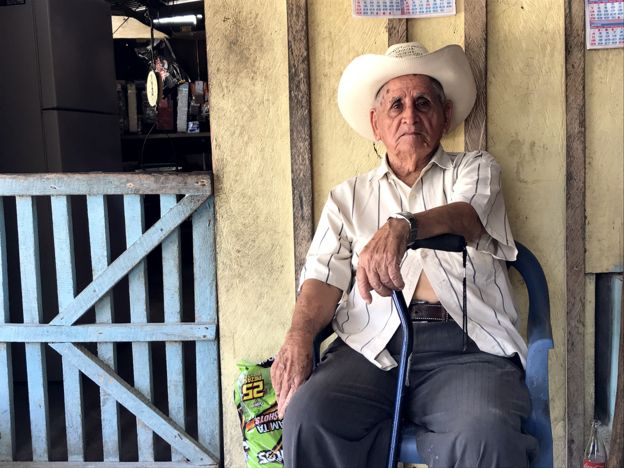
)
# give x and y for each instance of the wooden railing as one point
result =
(157, 295)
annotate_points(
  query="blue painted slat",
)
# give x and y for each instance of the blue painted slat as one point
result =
(31, 304)
(207, 353)
(136, 403)
(4, 286)
(97, 214)
(172, 299)
(139, 313)
(128, 260)
(7, 417)
(103, 183)
(66, 288)
(107, 332)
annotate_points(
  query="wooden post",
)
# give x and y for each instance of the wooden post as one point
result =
(575, 229)
(397, 31)
(300, 136)
(475, 44)
(616, 455)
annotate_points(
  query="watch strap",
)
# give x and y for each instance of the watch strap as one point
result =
(413, 225)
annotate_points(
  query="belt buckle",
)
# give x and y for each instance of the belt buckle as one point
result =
(420, 314)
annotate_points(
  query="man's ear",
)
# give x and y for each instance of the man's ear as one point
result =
(448, 114)
(373, 121)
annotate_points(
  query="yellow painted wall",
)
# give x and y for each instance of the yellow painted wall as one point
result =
(248, 78)
(605, 159)
(338, 152)
(526, 133)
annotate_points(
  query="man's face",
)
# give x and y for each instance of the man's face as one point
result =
(409, 117)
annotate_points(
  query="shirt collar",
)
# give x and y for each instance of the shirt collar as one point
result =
(441, 158)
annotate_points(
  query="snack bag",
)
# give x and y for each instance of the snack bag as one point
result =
(257, 409)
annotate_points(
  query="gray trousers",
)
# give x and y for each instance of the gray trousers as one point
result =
(468, 406)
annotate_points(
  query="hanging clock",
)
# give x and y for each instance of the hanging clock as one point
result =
(153, 88)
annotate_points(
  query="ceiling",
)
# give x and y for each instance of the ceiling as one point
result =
(144, 10)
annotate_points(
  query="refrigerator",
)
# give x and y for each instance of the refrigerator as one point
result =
(58, 101)
(58, 113)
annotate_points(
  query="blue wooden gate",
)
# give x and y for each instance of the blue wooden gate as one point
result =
(183, 203)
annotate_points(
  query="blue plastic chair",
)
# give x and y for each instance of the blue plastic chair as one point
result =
(540, 340)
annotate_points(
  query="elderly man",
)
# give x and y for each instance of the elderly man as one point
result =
(468, 402)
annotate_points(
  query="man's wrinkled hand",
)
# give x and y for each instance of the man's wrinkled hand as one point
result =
(379, 264)
(292, 366)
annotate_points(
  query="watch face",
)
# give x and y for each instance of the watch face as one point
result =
(152, 88)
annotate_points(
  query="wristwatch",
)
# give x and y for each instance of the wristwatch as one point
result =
(413, 225)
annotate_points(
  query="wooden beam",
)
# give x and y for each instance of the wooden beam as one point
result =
(475, 44)
(107, 332)
(160, 464)
(300, 133)
(397, 31)
(575, 228)
(105, 183)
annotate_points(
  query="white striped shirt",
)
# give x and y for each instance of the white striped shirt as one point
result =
(359, 206)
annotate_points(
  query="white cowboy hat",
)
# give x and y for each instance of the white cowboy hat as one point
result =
(366, 74)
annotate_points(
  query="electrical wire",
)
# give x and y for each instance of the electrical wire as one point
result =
(145, 141)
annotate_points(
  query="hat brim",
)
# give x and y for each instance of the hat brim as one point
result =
(366, 74)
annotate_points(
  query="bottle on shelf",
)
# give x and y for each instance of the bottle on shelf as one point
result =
(595, 454)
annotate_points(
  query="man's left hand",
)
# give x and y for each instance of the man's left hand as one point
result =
(379, 263)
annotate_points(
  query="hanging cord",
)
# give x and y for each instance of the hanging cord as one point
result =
(151, 39)
(464, 304)
(197, 59)
(140, 164)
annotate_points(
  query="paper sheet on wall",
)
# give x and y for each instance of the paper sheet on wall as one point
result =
(604, 23)
(403, 8)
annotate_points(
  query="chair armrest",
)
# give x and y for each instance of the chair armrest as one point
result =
(538, 326)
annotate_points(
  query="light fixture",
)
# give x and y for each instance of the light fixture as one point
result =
(182, 2)
(180, 19)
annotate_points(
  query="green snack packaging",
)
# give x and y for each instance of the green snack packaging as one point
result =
(257, 410)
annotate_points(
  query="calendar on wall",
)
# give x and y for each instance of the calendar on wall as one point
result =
(604, 23)
(403, 8)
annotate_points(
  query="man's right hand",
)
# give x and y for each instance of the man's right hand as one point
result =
(292, 366)
(293, 363)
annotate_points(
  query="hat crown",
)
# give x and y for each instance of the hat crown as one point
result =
(366, 74)
(406, 49)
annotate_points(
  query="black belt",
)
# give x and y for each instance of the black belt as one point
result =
(421, 311)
